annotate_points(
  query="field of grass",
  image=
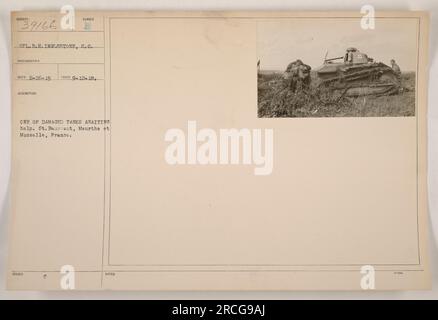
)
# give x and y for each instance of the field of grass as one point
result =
(275, 101)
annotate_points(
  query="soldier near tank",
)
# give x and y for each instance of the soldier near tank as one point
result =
(395, 67)
(297, 76)
(290, 76)
(303, 81)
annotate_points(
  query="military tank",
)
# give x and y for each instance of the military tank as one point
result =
(355, 74)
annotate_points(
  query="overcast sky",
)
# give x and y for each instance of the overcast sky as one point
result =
(282, 41)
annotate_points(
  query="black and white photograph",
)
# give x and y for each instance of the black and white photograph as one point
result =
(334, 67)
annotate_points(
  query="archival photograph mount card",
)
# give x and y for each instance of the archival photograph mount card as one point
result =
(219, 151)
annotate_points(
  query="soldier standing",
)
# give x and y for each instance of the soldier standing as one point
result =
(303, 75)
(395, 67)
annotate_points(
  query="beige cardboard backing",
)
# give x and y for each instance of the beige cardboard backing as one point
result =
(344, 192)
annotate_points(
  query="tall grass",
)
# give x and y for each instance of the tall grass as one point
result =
(276, 100)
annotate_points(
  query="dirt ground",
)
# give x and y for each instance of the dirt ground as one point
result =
(273, 101)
